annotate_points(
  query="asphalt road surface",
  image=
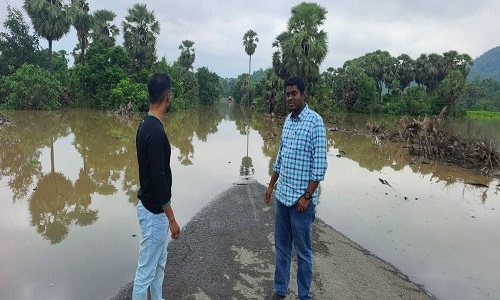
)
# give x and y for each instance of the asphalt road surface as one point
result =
(227, 252)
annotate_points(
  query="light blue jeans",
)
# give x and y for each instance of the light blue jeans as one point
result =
(295, 227)
(152, 254)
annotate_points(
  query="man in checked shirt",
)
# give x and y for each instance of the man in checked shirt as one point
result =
(299, 167)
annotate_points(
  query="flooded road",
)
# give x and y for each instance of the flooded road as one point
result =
(68, 182)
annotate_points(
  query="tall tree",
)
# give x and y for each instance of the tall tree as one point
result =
(51, 19)
(453, 88)
(82, 22)
(303, 47)
(250, 40)
(140, 31)
(102, 30)
(210, 89)
(187, 57)
(273, 93)
(405, 71)
(17, 45)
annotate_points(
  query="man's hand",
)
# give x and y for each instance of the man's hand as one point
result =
(302, 204)
(267, 195)
(175, 230)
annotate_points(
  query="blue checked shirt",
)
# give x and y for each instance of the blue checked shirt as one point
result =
(301, 156)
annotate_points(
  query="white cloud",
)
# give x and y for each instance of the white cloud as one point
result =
(354, 28)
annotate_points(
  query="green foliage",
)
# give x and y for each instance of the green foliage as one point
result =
(367, 96)
(60, 62)
(104, 69)
(303, 47)
(210, 90)
(257, 76)
(483, 115)
(227, 86)
(102, 30)
(413, 101)
(81, 21)
(482, 95)
(259, 104)
(250, 40)
(17, 45)
(51, 20)
(126, 92)
(187, 57)
(30, 87)
(452, 89)
(184, 87)
(243, 90)
(416, 104)
(140, 31)
(268, 92)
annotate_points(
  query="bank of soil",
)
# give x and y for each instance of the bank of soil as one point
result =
(227, 252)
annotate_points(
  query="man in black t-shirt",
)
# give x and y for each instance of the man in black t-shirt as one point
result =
(154, 211)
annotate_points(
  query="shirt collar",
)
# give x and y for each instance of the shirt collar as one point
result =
(302, 113)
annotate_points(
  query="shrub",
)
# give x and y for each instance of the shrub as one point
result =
(125, 92)
(30, 87)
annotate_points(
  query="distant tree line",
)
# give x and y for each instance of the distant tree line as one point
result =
(109, 76)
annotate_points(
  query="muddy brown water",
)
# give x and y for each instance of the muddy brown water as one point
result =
(68, 182)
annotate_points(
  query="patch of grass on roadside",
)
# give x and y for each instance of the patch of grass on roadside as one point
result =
(483, 115)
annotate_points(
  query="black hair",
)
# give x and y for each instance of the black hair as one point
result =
(158, 86)
(298, 81)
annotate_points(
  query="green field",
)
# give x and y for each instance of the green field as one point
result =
(483, 115)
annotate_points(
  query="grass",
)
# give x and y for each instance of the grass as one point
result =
(483, 115)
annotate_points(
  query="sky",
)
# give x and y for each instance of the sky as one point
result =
(354, 28)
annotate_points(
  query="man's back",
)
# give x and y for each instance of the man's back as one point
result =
(153, 156)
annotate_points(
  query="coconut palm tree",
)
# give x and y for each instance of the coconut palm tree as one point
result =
(303, 47)
(51, 19)
(250, 39)
(82, 23)
(102, 30)
(187, 57)
(139, 32)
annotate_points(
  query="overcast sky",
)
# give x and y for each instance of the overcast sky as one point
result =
(354, 28)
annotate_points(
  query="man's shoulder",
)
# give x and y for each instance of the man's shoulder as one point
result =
(313, 115)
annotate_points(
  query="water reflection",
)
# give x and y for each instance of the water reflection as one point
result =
(106, 146)
(361, 148)
(78, 168)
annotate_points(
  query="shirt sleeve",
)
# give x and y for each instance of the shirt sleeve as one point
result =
(319, 157)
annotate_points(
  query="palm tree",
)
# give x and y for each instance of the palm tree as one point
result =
(187, 57)
(140, 31)
(102, 31)
(272, 86)
(82, 23)
(249, 41)
(303, 47)
(51, 19)
(405, 69)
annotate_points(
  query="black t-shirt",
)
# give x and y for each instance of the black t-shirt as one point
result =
(153, 155)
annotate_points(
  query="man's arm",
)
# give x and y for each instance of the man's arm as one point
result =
(174, 227)
(269, 191)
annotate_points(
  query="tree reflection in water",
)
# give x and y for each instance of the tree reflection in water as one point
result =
(56, 204)
(99, 185)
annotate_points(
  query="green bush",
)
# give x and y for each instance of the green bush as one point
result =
(127, 92)
(30, 87)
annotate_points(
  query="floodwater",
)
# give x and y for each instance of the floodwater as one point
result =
(68, 180)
